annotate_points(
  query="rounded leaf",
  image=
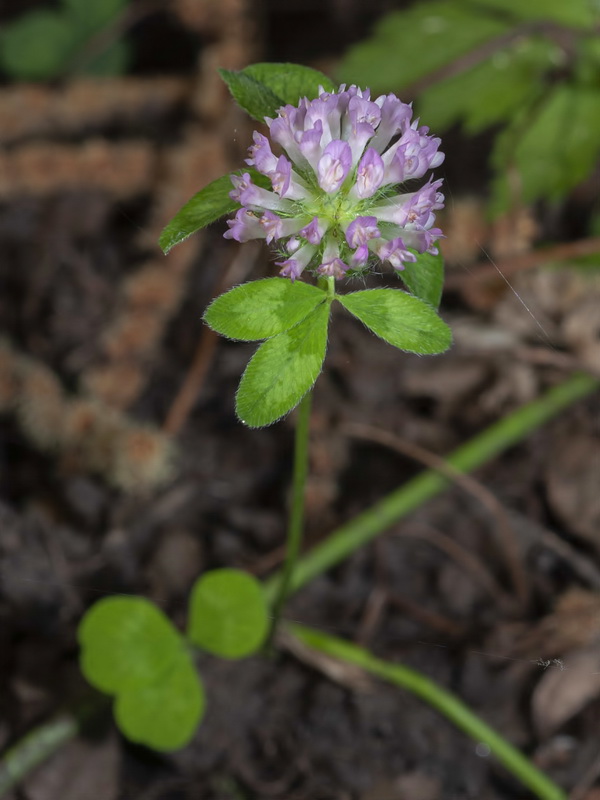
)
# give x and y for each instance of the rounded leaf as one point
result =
(261, 309)
(206, 206)
(228, 613)
(254, 97)
(425, 277)
(163, 714)
(400, 319)
(291, 82)
(283, 370)
(126, 642)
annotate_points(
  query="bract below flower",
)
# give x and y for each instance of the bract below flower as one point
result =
(337, 203)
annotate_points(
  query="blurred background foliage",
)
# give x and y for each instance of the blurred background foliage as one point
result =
(529, 70)
(47, 43)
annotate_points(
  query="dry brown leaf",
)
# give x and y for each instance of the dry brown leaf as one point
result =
(79, 770)
(565, 689)
(573, 481)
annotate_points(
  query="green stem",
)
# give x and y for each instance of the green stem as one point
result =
(43, 741)
(38, 745)
(483, 447)
(441, 699)
(296, 520)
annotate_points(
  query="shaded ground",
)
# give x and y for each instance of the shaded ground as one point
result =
(102, 332)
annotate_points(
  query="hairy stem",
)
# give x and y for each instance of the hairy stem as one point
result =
(442, 700)
(296, 520)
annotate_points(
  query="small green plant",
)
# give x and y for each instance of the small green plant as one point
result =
(335, 208)
(530, 69)
(130, 650)
(44, 43)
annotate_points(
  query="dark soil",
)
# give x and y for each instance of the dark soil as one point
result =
(434, 592)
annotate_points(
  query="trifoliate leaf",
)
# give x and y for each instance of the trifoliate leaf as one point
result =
(206, 206)
(407, 45)
(291, 82)
(282, 370)
(251, 95)
(425, 277)
(261, 309)
(163, 714)
(38, 45)
(228, 614)
(126, 642)
(400, 319)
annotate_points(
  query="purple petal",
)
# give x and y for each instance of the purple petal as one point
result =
(280, 176)
(332, 265)
(261, 155)
(396, 253)
(363, 110)
(423, 240)
(361, 230)
(314, 231)
(283, 130)
(419, 153)
(309, 142)
(293, 267)
(360, 256)
(335, 268)
(272, 226)
(369, 174)
(248, 194)
(244, 226)
(358, 136)
(421, 205)
(395, 117)
(325, 111)
(334, 165)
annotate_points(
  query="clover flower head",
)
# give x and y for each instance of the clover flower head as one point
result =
(336, 204)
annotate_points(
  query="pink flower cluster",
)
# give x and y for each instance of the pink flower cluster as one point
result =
(335, 206)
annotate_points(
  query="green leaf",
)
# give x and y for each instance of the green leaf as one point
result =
(130, 649)
(110, 62)
(261, 309)
(126, 642)
(206, 206)
(291, 82)
(407, 45)
(91, 15)
(282, 370)
(164, 714)
(425, 277)
(492, 91)
(251, 95)
(37, 46)
(400, 319)
(228, 613)
(587, 66)
(576, 13)
(556, 151)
